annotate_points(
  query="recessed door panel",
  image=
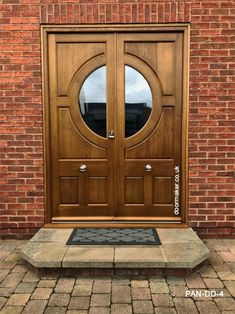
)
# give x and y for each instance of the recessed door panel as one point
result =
(134, 190)
(69, 190)
(71, 142)
(70, 57)
(160, 142)
(163, 190)
(160, 57)
(97, 190)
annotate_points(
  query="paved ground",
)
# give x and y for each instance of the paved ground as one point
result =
(210, 290)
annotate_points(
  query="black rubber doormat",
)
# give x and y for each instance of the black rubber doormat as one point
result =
(114, 236)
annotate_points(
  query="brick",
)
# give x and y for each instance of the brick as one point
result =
(225, 304)
(195, 281)
(25, 287)
(99, 310)
(165, 310)
(185, 306)
(140, 294)
(100, 300)
(84, 290)
(79, 303)
(65, 285)
(207, 271)
(159, 287)
(213, 283)
(18, 299)
(175, 281)
(12, 280)
(162, 299)
(55, 310)
(40, 305)
(143, 307)
(2, 302)
(101, 287)
(46, 283)
(178, 291)
(30, 277)
(205, 307)
(59, 299)
(139, 283)
(230, 285)
(121, 294)
(42, 293)
(12, 310)
(120, 282)
(120, 308)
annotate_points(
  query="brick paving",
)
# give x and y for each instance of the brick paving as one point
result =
(22, 291)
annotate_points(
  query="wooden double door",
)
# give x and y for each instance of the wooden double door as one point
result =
(115, 125)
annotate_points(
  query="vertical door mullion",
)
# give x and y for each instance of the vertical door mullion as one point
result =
(120, 119)
(111, 122)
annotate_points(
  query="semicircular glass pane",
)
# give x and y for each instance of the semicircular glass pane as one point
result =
(92, 101)
(138, 101)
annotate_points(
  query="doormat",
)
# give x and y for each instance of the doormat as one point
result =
(114, 236)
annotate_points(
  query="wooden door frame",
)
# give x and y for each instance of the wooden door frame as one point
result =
(184, 28)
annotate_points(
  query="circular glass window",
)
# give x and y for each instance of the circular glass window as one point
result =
(92, 101)
(138, 101)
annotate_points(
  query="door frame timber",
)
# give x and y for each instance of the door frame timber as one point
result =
(183, 28)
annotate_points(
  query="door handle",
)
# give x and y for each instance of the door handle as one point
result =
(148, 168)
(83, 168)
(111, 134)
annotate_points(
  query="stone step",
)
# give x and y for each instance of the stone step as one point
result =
(180, 249)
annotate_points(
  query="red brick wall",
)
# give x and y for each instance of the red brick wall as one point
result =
(212, 103)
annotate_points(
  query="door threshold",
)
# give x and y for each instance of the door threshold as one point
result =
(116, 222)
(60, 225)
(115, 219)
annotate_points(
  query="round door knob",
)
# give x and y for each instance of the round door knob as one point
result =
(148, 168)
(83, 168)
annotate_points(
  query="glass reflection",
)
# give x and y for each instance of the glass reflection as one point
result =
(92, 100)
(138, 101)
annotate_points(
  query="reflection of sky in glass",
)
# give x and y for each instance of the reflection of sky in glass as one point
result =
(136, 87)
(94, 88)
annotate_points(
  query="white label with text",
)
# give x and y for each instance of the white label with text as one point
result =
(176, 191)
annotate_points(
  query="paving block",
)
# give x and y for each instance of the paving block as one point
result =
(35, 306)
(65, 285)
(185, 306)
(79, 303)
(18, 299)
(162, 299)
(120, 308)
(225, 304)
(59, 299)
(121, 294)
(100, 299)
(143, 307)
(140, 294)
(207, 307)
(42, 293)
(82, 290)
(159, 287)
(139, 283)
